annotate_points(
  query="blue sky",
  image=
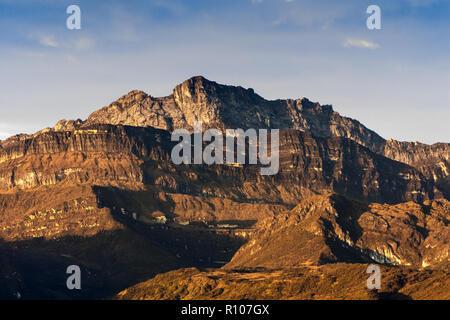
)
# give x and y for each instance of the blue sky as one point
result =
(395, 81)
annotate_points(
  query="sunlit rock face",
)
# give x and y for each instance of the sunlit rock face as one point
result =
(137, 161)
(127, 145)
(342, 193)
(323, 229)
(221, 106)
(116, 155)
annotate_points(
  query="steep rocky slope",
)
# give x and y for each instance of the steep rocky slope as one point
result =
(299, 255)
(100, 155)
(107, 185)
(221, 106)
(132, 157)
(324, 229)
(63, 183)
(53, 212)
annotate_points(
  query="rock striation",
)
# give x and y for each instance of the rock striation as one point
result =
(123, 156)
(222, 106)
(342, 194)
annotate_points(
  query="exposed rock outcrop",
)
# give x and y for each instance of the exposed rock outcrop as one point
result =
(333, 281)
(111, 177)
(221, 106)
(122, 156)
(325, 229)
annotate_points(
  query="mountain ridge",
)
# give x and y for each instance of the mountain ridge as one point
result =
(225, 106)
(110, 179)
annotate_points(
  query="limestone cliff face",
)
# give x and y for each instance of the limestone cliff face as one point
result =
(222, 106)
(135, 161)
(119, 147)
(113, 173)
(431, 160)
(53, 212)
(325, 229)
(133, 157)
(135, 109)
(100, 155)
(349, 169)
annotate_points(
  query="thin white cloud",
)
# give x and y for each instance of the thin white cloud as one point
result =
(44, 39)
(83, 43)
(48, 41)
(360, 43)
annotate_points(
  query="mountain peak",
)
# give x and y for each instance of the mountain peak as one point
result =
(223, 107)
(132, 97)
(194, 88)
(197, 79)
(201, 85)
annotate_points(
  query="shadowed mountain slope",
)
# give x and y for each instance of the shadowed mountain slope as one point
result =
(328, 282)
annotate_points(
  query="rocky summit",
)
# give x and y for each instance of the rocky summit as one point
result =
(330, 228)
(103, 193)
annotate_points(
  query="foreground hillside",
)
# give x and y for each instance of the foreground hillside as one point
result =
(324, 229)
(330, 281)
(320, 250)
